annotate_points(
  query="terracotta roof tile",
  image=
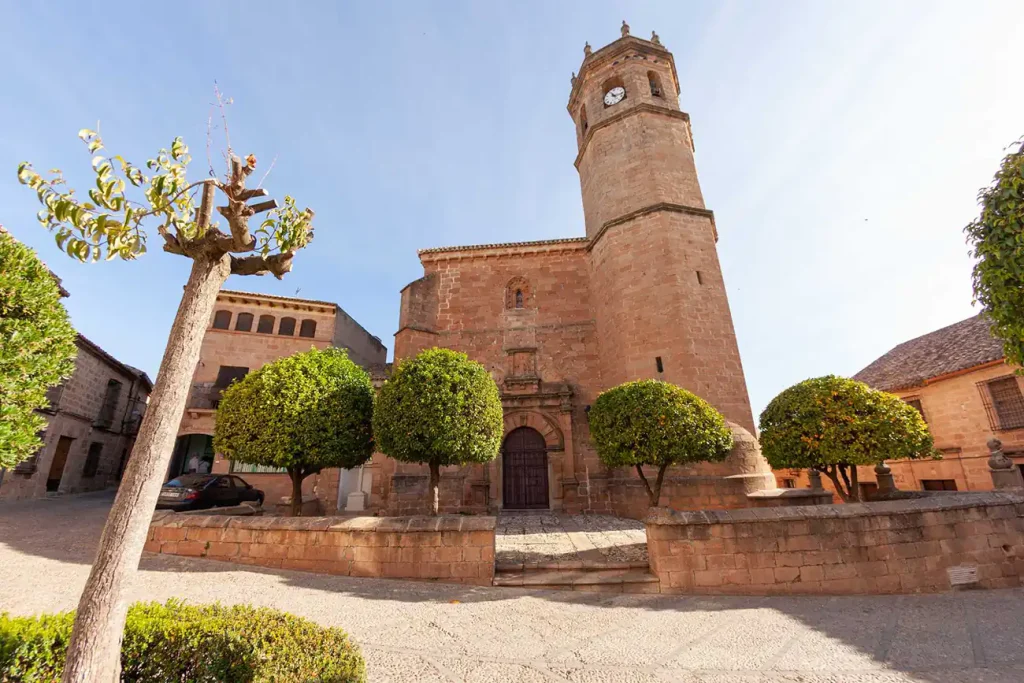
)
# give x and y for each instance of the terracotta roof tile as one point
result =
(504, 245)
(963, 345)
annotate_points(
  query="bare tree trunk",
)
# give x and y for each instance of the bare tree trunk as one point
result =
(296, 475)
(435, 488)
(833, 475)
(94, 653)
(854, 484)
(653, 493)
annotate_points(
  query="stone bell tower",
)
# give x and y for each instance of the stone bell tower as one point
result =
(656, 284)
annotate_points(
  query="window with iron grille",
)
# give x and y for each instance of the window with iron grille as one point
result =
(1003, 402)
(915, 403)
(106, 417)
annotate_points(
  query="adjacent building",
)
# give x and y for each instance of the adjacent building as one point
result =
(639, 294)
(958, 379)
(92, 420)
(246, 331)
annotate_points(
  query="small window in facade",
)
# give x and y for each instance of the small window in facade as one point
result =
(106, 417)
(243, 323)
(222, 320)
(915, 403)
(583, 120)
(1006, 409)
(228, 374)
(519, 298)
(789, 483)
(517, 294)
(92, 460)
(307, 328)
(938, 484)
(658, 364)
(655, 82)
(266, 325)
(286, 327)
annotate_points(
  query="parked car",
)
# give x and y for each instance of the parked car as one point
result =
(203, 491)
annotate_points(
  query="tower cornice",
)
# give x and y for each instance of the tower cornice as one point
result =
(643, 107)
(612, 51)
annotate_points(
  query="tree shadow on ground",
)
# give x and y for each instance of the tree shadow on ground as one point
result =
(977, 636)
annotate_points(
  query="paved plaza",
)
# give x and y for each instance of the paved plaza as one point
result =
(568, 541)
(434, 632)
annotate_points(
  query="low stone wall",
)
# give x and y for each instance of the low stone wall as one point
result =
(905, 546)
(453, 549)
(627, 497)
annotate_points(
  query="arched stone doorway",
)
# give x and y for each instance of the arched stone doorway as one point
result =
(524, 470)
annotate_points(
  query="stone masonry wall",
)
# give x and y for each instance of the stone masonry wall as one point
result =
(450, 549)
(909, 546)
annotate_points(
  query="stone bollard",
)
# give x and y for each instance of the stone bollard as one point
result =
(883, 475)
(1005, 475)
(815, 478)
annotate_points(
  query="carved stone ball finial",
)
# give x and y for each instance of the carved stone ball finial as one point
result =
(882, 468)
(655, 39)
(997, 459)
(625, 28)
(586, 50)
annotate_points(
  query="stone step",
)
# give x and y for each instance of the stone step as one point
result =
(632, 580)
(586, 565)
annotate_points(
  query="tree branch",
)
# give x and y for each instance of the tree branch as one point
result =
(277, 264)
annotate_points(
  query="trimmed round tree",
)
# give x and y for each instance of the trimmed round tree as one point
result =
(439, 408)
(37, 347)
(305, 413)
(833, 424)
(994, 237)
(654, 423)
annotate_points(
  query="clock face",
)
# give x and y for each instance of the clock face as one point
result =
(614, 96)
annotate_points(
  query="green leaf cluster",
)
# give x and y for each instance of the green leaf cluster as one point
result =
(312, 410)
(439, 407)
(997, 241)
(37, 347)
(837, 421)
(202, 643)
(649, 422)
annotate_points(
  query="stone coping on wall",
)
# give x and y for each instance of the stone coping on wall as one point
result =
(445, 548)
(940, 543)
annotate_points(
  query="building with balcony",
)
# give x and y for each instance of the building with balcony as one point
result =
(92, 420)
(245, 332)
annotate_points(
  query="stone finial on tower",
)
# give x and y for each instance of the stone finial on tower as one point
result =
(573, 79)
(625, 28)
(586, 50)
(655, 39)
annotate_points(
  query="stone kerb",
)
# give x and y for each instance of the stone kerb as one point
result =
(450, 548)
(905, 546)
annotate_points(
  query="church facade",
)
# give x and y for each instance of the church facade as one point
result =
(556, 322)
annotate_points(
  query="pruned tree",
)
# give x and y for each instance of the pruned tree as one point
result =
(37, 347)
(833, 424)
(110, 224)
(305, 412)
(439, 408)
(649, 422)
(995, 237)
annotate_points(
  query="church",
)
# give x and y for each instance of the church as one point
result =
(556, 322)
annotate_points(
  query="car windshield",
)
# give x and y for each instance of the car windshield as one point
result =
(189, 481)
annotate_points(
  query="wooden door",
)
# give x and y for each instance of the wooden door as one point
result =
(60, 458)
(524, 471)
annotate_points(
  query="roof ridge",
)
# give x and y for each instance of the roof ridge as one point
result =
(498, 245)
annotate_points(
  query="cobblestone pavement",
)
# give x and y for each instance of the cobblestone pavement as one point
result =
(543, 539)
(420, 632)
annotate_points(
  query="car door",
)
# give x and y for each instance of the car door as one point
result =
(244, 491)
(223, 492)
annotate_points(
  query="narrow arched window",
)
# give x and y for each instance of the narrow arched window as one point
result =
(266, 325)
(307, 329)
(243, 323)
(655, 82)
(286, 327)
(518, 294)
(583, 120)
(222, 320)
(519, 298)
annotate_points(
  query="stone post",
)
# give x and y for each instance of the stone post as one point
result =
(815, 478)
(883, 475)
(1005, 475)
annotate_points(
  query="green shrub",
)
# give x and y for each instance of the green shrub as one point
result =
(656, 423)
(832, 424)
(37, 347)
(178, 642)
(439, 408)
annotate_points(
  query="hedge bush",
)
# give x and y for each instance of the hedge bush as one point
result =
(179, 642)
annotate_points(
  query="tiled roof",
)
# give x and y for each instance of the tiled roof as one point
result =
(960, 346)
(504, 245)
(123, 367)
(235, 292)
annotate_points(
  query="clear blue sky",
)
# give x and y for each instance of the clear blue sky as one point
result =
(841, 146)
